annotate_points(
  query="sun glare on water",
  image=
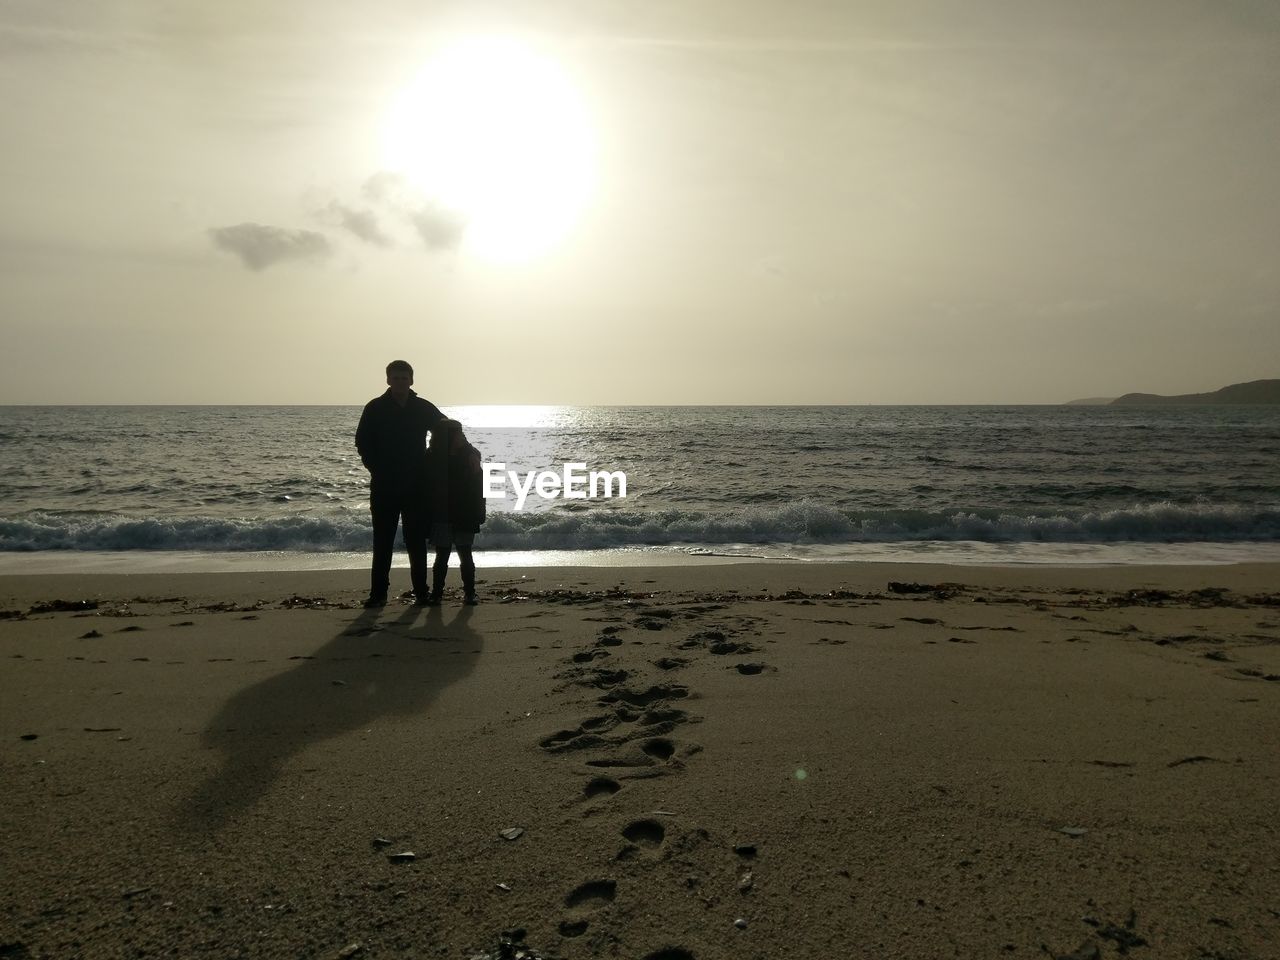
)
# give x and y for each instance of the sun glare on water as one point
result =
(496, 132)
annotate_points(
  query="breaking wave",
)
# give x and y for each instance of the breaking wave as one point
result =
(803, 522)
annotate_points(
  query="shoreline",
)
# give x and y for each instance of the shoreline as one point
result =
(665, 762)
(957, 553)
(342, 588)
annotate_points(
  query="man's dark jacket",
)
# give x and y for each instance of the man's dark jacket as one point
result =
(392, 439)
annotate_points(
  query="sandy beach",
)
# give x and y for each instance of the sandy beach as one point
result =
(754, 760)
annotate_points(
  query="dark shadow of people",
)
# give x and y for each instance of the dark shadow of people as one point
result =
(368, 671)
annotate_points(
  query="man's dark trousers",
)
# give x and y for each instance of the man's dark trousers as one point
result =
(389, 503)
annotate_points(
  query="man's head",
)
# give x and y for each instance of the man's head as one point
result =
(399, 378)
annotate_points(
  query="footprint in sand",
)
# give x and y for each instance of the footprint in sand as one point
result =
(601, 723)
(592, 895)
(589, 898)
(646, 698)
(603, 679)
(701, 639)
(662, 719)
(654, 619)
(644, 836)
(600, 787)
(703, 608)
(650, 725)
(598, 677)
(750, 669)
(727, 647)
(565, 740)
(588, 733)
(660, 748)
(628, 763)
(656, 755)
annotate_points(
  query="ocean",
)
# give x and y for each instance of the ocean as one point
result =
(973, 484)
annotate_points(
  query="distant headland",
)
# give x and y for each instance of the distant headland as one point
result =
(1255, 391)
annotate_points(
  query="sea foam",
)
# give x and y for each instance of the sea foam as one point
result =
(803, 522)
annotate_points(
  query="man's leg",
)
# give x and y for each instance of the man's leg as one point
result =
(415, 544)
(385, 511)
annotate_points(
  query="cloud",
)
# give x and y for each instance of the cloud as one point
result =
(437, 226)
(363, 223)
(393, 214)
(384, 187)
(259, 245)
(439, 229)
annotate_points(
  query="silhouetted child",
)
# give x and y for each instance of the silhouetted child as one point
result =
(457, 507)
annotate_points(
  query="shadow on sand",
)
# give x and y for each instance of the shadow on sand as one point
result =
(370, 670)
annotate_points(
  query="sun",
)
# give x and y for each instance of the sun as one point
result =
(497, 133)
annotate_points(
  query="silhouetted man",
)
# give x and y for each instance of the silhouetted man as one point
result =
(392, 440)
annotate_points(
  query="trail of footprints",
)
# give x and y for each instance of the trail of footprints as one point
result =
(634, 734)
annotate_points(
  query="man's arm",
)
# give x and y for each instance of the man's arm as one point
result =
(365, 437)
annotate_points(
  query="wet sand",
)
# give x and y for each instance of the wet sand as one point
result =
(758, 760)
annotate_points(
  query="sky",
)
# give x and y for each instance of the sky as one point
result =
(607, 202)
